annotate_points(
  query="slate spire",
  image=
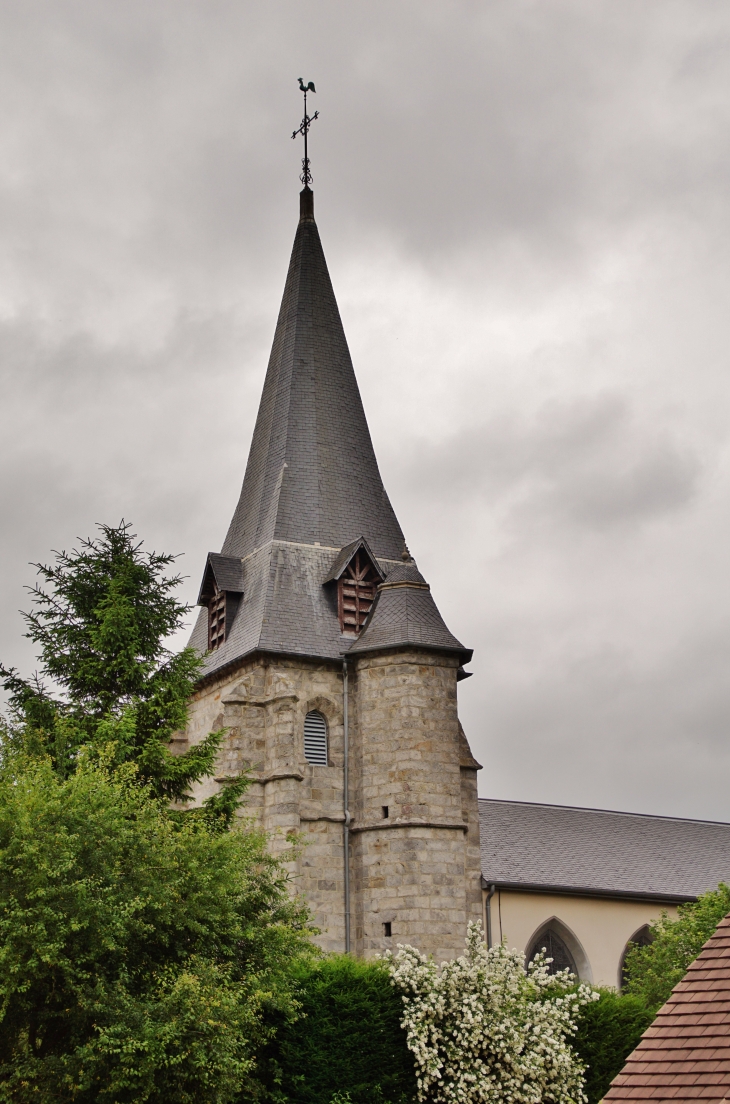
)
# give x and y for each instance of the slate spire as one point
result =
(312, 477)
(311, 497)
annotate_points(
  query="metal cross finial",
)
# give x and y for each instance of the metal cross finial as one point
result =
(306, 176)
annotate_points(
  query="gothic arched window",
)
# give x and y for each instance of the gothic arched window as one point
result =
(315, 739)
(642, 938)
(554, 947)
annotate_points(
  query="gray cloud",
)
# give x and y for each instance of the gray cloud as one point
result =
(583, 463)
(524, 208)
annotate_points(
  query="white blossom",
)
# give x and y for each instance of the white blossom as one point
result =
(485, 1030)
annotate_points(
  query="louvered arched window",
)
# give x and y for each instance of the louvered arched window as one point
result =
(315, 739)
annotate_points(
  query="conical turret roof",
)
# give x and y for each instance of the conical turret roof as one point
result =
(312, 476)
(312, 484)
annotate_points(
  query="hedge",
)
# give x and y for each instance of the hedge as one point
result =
(348, 1044)
(349, 1039)
(608, 1030)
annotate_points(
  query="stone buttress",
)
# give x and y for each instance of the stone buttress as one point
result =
(314, 575)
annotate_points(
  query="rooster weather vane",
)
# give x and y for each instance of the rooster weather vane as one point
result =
(306, 176)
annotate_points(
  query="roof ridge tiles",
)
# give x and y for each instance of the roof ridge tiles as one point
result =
(592, 809)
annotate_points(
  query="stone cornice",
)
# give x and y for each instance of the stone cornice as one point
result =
(380, 825)
(259, 702)
(262, 777)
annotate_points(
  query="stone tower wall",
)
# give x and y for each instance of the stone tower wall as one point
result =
(417, 868)
(420, 868)
(263, 705)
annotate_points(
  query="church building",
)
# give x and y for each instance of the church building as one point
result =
(335, 676)
(328, 661)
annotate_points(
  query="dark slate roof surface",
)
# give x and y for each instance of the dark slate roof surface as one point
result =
(595, 850)
(685, 1054)
(312, 476)
(285, 608)
(312, 486)
(405, 614)
(405, 573)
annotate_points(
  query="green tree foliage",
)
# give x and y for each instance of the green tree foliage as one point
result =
(608, 1030)
(140, 955)
(348, 1043)
(100, 619)
(655, 969)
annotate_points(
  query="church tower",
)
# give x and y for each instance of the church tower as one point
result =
(328, 661)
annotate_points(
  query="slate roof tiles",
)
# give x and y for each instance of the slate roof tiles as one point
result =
(406, 615)
(312, 476)
(597, 851)
(685, 1054)
(312, 486)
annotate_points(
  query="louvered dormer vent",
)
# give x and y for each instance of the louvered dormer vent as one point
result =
(217, 620)
(357, 575)
(221, 591)
(356, 593)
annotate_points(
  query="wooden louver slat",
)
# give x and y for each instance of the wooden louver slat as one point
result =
(356, 592)
(217, 620)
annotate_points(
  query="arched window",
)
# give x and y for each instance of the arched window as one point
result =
(641, 938)
(554, 947)
(315, 739)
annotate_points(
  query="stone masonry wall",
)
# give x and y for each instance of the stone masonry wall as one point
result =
(416, 868)
(263, 704)
(419, 868)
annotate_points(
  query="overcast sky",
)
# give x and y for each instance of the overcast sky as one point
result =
(524, 206)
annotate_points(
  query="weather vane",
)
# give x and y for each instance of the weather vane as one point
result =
(306, 177)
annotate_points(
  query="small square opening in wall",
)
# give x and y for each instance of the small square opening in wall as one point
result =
(387, 929)
(386, 812)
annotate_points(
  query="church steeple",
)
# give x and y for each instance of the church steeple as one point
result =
(312, 484)
(327, 661)
(312, 477)
(312, 490)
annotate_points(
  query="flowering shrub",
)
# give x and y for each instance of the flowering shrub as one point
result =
(483, 1029)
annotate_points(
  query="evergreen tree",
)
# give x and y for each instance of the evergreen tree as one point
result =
(100, 619)
(348, 1038)
(143, 949)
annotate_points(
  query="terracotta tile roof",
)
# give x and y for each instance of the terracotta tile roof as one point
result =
(685, 1054)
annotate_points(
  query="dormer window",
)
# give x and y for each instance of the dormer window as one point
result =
(357, 575)
(217, 620)
(356, 592)
(221, 591)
